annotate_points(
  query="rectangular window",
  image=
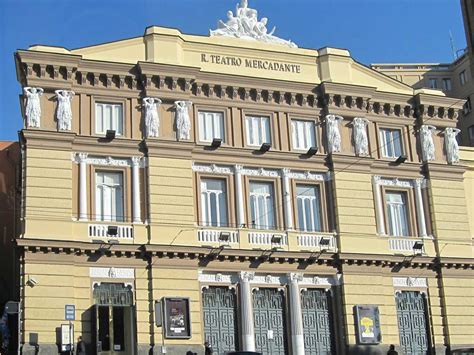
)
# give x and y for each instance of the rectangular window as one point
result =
(262, 200)
(303, 134)
(433, 83)
(211, 125)
(308, 200)
(214, 202)
(108, 116)
(397, 213)
(391, 142)
(109, 196)
(467, 108)
(462, 78)
(258, 130)
(447, 85)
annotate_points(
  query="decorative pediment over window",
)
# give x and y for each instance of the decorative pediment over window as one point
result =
(246, 25)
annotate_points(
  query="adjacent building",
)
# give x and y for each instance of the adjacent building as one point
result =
(237, 190)
(455, 79)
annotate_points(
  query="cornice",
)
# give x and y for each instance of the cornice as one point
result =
(438, 171)
(38, 57)
(35, 138)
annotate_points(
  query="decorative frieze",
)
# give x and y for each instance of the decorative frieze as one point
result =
(268, 279)
(111, 273)
(380, 181)
(107, 161)
(212, 169)
(407, 282)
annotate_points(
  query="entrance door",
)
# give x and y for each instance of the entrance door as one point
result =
(114, 319)
(317, 322)
(270, 321)
(220, 319)
(412, 325)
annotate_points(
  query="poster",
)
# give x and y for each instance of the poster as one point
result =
(177, 322)
(368, 324)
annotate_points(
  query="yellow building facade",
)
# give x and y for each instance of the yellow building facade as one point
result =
(249, 195)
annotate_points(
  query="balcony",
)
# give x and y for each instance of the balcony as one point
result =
(218, 236)
(312, 241)
(102, 231)
(406, 245)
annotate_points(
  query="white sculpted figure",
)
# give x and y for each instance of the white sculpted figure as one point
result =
(333, 133)
(245, 24)
(451, 145)
(152, 118)
(183, 122)
(33, 106)
(427, 144)
(361, 143)
(64, 112)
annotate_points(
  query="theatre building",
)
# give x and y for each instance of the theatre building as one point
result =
(238, 190)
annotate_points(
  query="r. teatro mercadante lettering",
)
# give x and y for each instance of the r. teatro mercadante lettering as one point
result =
(250, 63)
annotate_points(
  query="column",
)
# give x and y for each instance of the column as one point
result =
(246, 302)
(287, 201)
(296, 314)
(239, 196)
(136, 189)
(82, 186)
(420, 213)
(379, 213)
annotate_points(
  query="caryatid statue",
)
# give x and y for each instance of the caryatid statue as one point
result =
(451, 145)
(333, 133)
(427, 144)
(64, 112)
(152, 117)
(33, 106)
(183, 122)
(361, 142)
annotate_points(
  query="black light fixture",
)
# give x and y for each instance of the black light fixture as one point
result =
(401, 159)
(276, 239)
(418, 247)
(324, 241)
(312, 151)
(112, 230)
(216, 143)
(265, 147)
(110, 134)
(224, 237)
(113, 242)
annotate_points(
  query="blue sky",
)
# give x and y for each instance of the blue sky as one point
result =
(373, 30)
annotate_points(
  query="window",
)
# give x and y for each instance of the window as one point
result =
(109, 196)
(447, 85)
(391, 143)
(303, 134)
(211, 125)
(258, 130)
(308, 200)
(471, 134)
(397, 213)
(462, 78)
(467, 108)
(433, 83)
(214, 202)
(262, 213)
(108, 116)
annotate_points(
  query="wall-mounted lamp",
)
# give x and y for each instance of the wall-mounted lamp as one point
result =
(110, 134)
(216, 143)
(113, 242)
(418, 247)
(265, 147)
(276, 239)
(224, 237)
(401, 159)
(112, 230)
(312, 151)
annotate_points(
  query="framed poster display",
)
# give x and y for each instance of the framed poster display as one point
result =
(177, 318)
(368, 324)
